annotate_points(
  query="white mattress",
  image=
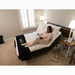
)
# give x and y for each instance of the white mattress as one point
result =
(16, 47)
(31, 36)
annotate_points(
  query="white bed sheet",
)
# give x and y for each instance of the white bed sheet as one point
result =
(31, 36)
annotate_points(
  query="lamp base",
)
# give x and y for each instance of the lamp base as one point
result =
(71, 34)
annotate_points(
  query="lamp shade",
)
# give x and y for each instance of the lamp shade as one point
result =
(41, 17)
(72, 24)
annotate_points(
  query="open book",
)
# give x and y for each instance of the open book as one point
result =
(40, 36)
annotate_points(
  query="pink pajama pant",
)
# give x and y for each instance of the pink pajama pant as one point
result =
(37, 40)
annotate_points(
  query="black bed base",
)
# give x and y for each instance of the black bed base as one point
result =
(43, 49)
(55, 43)
(24, 52)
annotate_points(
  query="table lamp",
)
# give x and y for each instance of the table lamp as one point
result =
(42, 18)
(72, 26)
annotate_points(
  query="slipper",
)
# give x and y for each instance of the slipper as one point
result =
(54, 60)
(56, 57)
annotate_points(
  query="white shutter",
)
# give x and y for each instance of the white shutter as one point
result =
(24, 18)
(27, 18)
(31, 17)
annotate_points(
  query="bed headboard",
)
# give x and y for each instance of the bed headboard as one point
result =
(64, 30)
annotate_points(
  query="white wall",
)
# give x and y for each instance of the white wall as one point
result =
(38, 13)
(62, 17)
(10, 23)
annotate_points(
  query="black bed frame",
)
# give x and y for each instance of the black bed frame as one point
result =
(54, 43)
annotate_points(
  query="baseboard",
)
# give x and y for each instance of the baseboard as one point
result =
(8, 39)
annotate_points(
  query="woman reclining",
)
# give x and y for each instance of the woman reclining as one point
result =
(43, 38)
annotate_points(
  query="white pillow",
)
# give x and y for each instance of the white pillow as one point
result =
(53, 27)
(41, 28)
(55, 30)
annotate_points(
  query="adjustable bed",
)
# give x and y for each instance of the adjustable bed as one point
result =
(25, 53)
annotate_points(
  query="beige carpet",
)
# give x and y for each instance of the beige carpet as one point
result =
(8, 56)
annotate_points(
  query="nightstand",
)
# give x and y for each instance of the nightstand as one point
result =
(66, 48)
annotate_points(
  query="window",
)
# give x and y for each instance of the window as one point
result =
(27, 18)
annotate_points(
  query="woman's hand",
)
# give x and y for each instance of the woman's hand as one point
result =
(37, 33)
(41, 37)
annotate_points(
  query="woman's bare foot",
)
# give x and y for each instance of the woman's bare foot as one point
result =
(24, 44)
(27, 46)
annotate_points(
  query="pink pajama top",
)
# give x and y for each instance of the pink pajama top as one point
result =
(46, 36)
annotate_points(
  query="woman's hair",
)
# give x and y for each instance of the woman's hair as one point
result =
(50, 28)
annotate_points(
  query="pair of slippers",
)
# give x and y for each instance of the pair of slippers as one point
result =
(55, 59)
(25, 45)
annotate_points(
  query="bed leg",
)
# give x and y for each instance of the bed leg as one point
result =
(57, 43)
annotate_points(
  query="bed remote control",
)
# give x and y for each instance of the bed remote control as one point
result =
(21, 41)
